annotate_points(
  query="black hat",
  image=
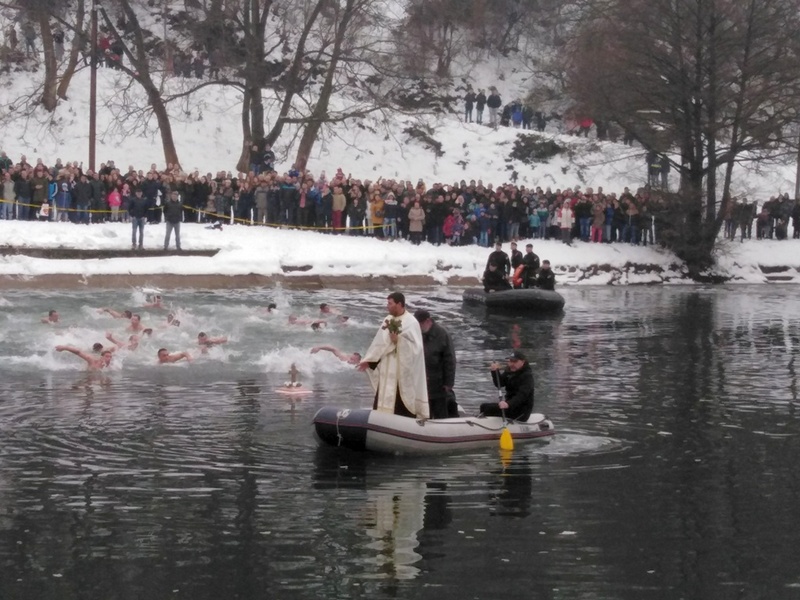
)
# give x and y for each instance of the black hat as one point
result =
(422, 315)
(516, 355)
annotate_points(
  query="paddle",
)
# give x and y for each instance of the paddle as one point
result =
(506, 441)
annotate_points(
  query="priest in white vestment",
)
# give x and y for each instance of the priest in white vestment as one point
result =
(395, 363)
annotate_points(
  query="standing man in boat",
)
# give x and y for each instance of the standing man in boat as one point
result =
(395, 363)
(517, 380)
(500, 259)
(531, 263)
(440, 366)
(516, 257)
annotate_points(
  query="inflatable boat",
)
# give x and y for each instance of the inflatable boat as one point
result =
(528, 300)
(371, 430)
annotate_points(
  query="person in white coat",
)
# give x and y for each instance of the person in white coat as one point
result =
(395, 363)
(566, 218)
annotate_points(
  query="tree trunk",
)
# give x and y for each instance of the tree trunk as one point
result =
(243, 164)
(164, 126)
(49, 98)
(254, 17)
(78, 45)
(140, 71)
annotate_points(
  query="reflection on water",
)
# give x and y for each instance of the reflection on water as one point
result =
(673, 472)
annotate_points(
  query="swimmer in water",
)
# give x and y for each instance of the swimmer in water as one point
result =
(205, 341)
(94, 363)
(164, 356)
(51, 318)
(352, 359)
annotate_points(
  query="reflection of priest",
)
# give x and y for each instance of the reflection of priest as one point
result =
(395, 363)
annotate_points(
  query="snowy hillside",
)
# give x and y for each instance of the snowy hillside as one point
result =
(208, 139)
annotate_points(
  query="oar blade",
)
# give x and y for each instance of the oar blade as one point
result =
(506, 441)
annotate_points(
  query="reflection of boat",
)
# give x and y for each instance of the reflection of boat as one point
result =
(531, 300)
(366, 429)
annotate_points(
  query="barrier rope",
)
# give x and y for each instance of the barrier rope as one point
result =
(200, 212)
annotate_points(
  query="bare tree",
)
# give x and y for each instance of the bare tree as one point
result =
(716, 79)
(78, 46)
(264, 46)
(136, 48)
(43, 13)
(344, 22)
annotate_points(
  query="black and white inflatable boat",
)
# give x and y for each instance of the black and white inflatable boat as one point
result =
(523, 300)
(375, 431)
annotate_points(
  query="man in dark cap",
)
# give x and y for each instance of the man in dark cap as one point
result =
(531, 262)
(546, 279)
(500, 260)
(440, 366)
(517, 380)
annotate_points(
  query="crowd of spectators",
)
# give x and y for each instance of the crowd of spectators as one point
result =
(461, 213)
(21, 39)
(515, 114)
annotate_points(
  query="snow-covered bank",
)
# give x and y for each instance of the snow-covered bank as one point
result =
(284, 254)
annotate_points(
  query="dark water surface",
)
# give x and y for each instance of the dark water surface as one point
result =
(674, 475)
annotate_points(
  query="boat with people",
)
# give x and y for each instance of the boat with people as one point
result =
(370, 430)
(535, 300)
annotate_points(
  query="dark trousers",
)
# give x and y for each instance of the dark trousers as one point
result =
(399, 407)
(492, 409)
(443, 406)
(438, 406)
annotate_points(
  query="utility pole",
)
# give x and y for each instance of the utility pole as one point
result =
(797, 176)
(93, 89)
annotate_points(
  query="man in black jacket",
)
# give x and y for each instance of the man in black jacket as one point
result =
(531, 262)
(82, 195)
(480, 102)
(518, 383)
(99, 203)
(494, 102)
(138, 206)
(440, 366)
(516, 257)
(500, 259)
(173, 211)
(546, 279)
(151, 188)
(469, 103)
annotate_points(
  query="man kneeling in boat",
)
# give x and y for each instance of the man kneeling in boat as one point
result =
(494, 280)
(546, 279)
(518, 383)
(395, 363)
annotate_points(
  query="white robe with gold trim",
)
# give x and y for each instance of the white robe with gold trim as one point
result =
(400, 366)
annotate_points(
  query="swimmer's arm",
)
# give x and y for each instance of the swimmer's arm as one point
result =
(76, 352)
(117, 343)
(335, 351)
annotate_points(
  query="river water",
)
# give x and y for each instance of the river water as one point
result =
(674, 473)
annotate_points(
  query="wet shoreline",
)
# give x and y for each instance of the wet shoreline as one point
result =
(215, 281)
